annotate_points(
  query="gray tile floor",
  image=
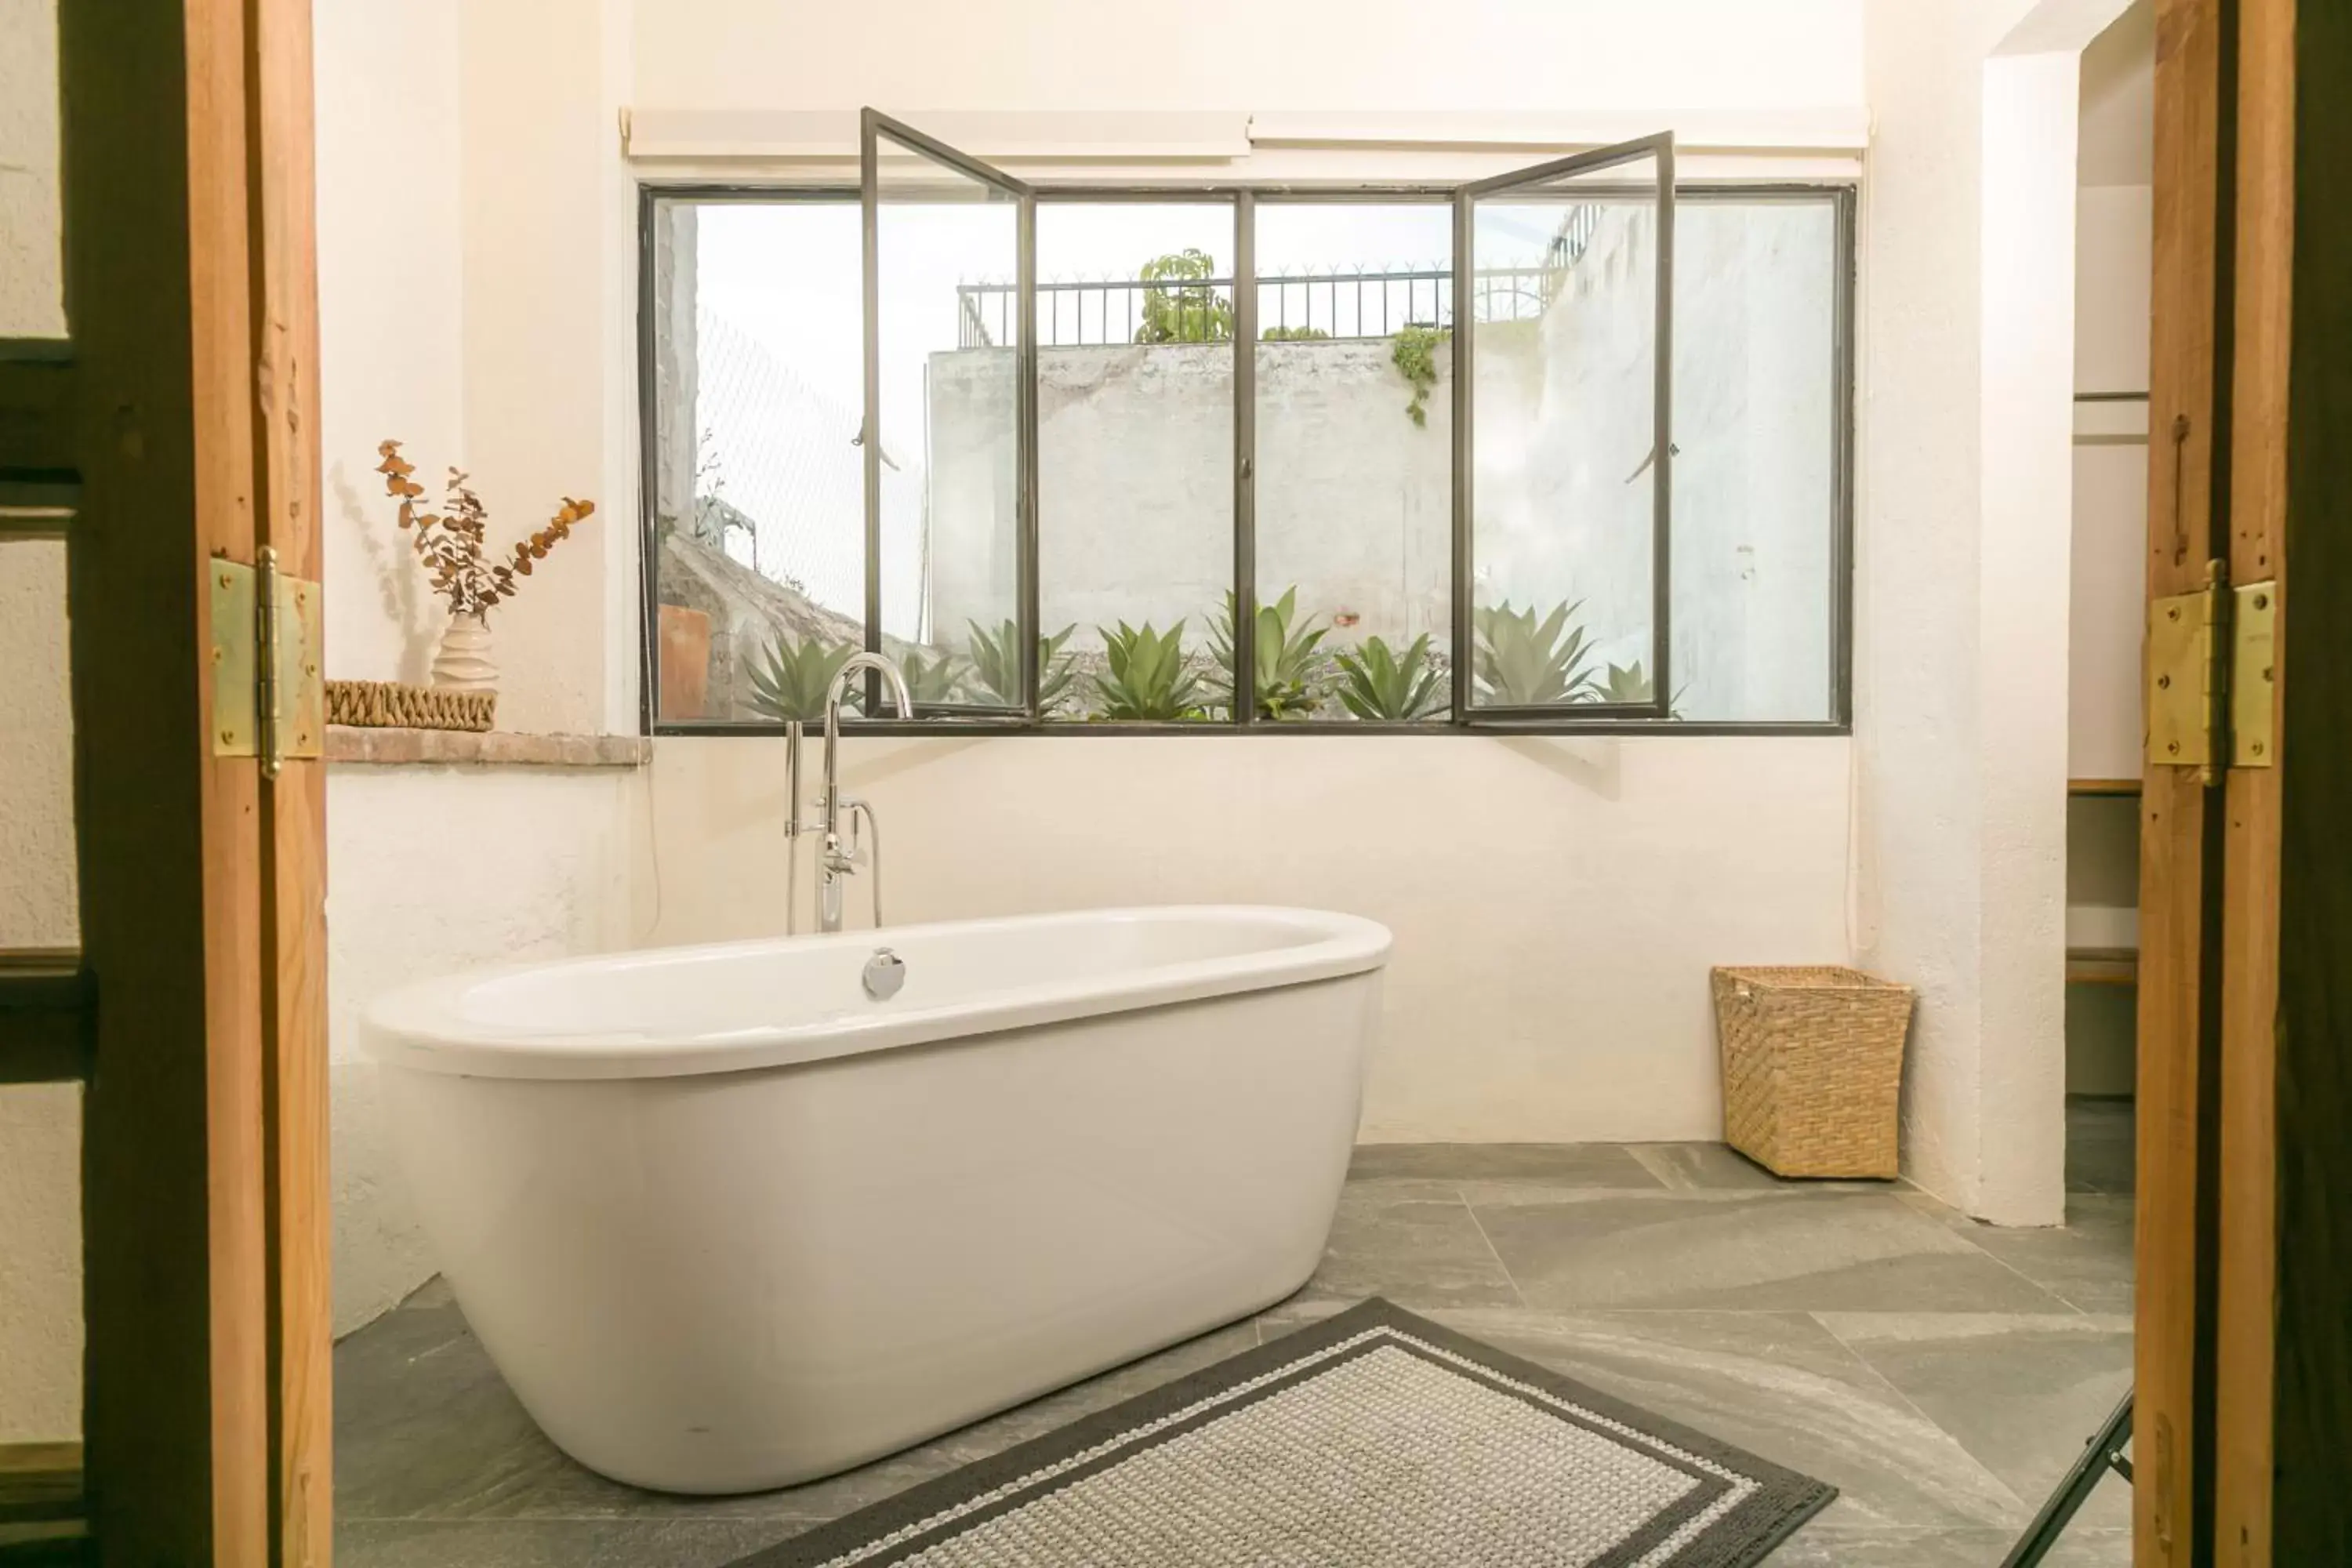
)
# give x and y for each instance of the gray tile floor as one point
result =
(1941, 1374)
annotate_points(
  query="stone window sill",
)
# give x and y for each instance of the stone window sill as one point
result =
(363, 747)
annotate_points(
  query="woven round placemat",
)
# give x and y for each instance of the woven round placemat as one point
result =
(391, 705)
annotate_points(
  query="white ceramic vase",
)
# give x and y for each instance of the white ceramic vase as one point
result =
(464, 662)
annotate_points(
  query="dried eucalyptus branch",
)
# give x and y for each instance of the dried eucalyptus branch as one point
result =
(449, 543)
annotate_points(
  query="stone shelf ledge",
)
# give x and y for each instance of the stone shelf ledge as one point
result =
(366, 747)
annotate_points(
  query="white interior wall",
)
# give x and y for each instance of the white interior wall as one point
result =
(40, 1124)
(1967, 234)
(1597, 879)
(1386, 57)
(1933, 846)
(460, 312)
(2113, 264)
(2028, 424)
(1556, 903)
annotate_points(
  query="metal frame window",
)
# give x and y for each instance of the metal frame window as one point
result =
(1464, 715)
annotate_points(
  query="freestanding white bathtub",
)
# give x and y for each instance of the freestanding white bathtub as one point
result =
(726, 1223)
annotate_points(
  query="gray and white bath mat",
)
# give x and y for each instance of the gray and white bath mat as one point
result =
(1376, 1439)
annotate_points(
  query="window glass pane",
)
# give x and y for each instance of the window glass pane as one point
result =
(950, 383)
(1564, 279)
(1355, 488)
(759, 381)
(1135, 409)
(31, 253)
(1755, 456)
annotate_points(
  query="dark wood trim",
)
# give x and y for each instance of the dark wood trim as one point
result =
(37, 434)
(2179, 838)
(2101, 966)
(42, 1514)
(45, 1015)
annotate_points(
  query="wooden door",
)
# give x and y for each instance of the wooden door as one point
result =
(175, 429)
(2245, 1180)
(2282, 1354)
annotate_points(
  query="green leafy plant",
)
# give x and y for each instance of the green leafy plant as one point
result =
(1627, 683)
(930, 682)
(1414, 354)
(1147, 677)
(996, 660)
(1520, 661)
(1189, 312)
(1293, 335)
(1291, 672)
(794, 678)
(1377, 683)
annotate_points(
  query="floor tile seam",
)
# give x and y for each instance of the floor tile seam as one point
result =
(2049, 1290)
(1491, 1250)
(1911, 1405)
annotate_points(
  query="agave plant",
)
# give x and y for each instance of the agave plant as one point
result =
(1627, 683)
(1378, 683)
(1631, 683)
(996, 660)
(1520, 661)
(930, 682)
(1291, 672)
(1147, 677)
(795, 676)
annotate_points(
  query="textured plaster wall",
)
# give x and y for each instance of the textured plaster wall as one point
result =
(432, 871)
(1556, 903)
(454, 285)
(40, 1124)
(1968, 334)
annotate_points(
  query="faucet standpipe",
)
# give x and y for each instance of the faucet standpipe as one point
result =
(835, 862)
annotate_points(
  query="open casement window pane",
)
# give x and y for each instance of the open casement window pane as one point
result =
(947, 397)
(1566, 279)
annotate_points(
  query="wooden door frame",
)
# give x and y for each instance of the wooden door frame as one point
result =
(180, 425)
(2180, 846)
(2245, 1185)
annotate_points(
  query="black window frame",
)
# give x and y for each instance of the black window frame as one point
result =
(1462, 717)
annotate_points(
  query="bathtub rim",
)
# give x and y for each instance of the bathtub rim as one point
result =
(420, 1027)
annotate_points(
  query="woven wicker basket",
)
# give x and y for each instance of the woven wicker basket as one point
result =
(1812, 1068)
(389, 705)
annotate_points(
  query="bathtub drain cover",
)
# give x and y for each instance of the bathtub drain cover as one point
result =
(1375, 1440)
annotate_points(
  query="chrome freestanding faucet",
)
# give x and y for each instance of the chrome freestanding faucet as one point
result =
(836, 862)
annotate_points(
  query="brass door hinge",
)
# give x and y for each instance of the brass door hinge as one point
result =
(269, 684)
(2253, 670)
(2210, 670)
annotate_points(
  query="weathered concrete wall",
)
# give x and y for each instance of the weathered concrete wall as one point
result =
(1354, 500)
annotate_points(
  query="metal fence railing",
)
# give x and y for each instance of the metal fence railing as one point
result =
(1289, 305)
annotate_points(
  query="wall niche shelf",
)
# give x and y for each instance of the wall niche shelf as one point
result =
(355, 746)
